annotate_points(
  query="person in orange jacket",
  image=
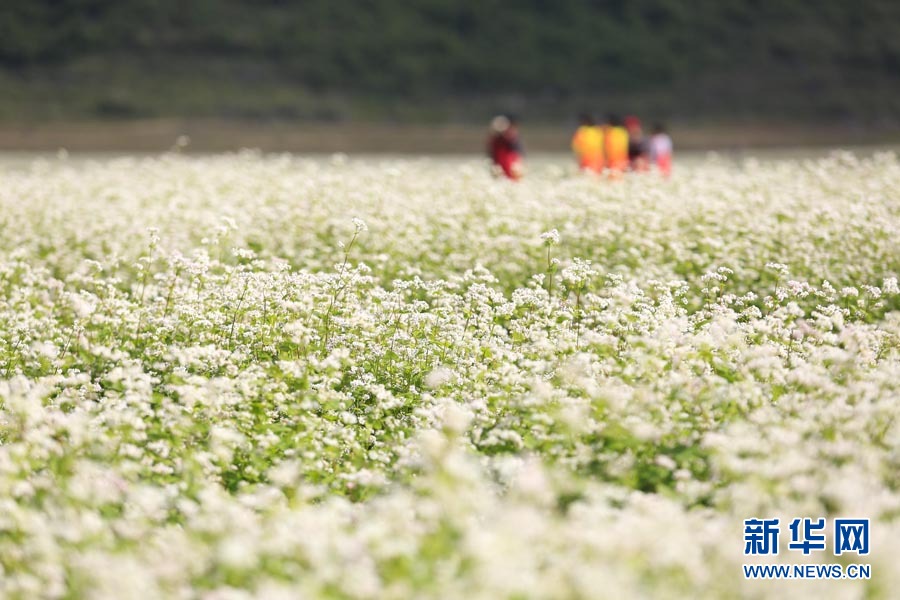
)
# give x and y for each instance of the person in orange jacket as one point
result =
(615, 144)
(587, 144)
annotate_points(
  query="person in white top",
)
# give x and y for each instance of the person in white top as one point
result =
(661, 150)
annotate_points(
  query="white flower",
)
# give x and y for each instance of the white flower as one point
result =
(550, 238)
(359, 224)
(438, 377)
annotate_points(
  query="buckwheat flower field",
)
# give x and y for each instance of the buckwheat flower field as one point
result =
(252, 376)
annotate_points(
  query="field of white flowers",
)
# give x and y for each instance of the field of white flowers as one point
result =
(264, 376)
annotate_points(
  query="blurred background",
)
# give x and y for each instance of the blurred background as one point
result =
(427, 75)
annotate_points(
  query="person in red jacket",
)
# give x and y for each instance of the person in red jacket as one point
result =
(504, 147)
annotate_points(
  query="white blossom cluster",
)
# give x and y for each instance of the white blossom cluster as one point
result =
(252, 376)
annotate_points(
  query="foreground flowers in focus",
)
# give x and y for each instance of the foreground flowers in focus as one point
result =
(419, 382)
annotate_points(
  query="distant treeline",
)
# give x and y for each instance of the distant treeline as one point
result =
(426, 59)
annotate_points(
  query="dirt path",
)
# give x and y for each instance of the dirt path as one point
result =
(218, 135)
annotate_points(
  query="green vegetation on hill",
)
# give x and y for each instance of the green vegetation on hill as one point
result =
(436, 59)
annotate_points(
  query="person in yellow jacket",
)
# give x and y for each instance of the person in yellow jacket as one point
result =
(615, 144)
(587, 144)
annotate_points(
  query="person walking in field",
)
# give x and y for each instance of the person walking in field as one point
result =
(661, 150)
(638, 159)
(587, 144)
(504, 148)
(615, 145)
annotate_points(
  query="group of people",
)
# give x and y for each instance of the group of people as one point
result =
(612, 147)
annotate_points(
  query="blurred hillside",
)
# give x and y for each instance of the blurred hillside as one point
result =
(445, 60)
